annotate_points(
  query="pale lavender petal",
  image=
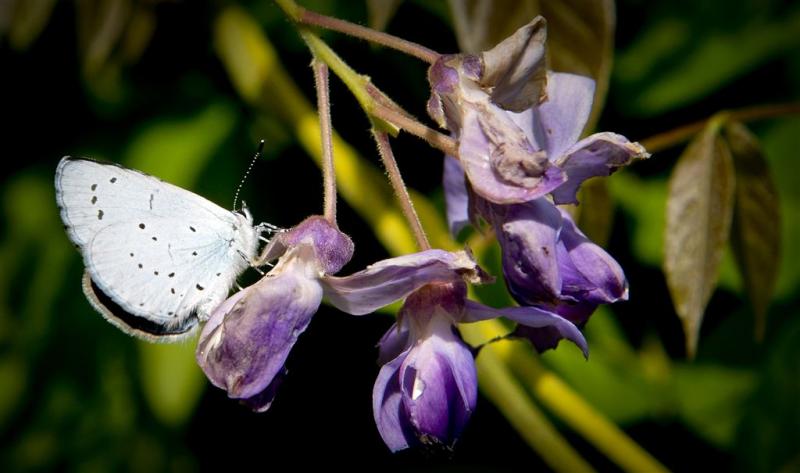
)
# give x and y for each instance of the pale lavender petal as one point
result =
(528, 237)
(393, 342)
(388, 409)
(393, 279)
(588, 272)
(559, 121)
(525, 122)
(500, 163)
(439, 384)
(546, 327)
(455, 195)
(597, 155)
(244, 351)
(514, 70)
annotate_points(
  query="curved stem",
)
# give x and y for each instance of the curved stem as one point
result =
(308, 17)
(438, 140)
(328, 171)
(385, 150)
(684, 133)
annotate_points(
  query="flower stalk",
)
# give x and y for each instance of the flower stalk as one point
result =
(386, 114)
(401, 192)
(684, 133)
(312, 18)
(328, 170)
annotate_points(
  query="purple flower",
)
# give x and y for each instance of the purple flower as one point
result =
(518, 125)
(518, 128)
(549, 262)
(244, 345)
(427, 387)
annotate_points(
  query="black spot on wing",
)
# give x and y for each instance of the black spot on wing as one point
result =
(199, 287)
(192, 228)
(94, 187)
(112, 180)
(141, 225)
(94, 199)
(99, 215)
(155, 239)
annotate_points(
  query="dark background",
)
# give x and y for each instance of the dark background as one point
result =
(77, 395)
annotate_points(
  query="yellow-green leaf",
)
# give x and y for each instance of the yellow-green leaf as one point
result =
(756, 233)
(580, 33)
(171, 380)
(699, 211)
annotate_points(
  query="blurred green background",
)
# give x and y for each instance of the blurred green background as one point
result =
(143, 83)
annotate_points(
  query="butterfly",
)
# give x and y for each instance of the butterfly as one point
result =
(158, 258)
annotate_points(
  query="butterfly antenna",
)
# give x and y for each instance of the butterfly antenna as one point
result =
(247, 173)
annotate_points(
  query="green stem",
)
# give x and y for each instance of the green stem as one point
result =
(387, 115)
(684, 133)
(583, 418)
(308, 17)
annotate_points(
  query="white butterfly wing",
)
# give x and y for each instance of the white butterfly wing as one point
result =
(158, 252)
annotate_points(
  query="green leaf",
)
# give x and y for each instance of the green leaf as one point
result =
(177, 150)
(580, 34)
(171, 380)
(780, 148)
(29, 20)
(711, 399)
(674, 63)
(699, 214)
(756, 235)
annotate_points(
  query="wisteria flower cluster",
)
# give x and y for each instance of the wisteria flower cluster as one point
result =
(519, 156)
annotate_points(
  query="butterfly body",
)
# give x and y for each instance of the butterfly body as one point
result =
(158, 258)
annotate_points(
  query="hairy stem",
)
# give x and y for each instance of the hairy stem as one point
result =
(308, 17)
(405, 122)
(396, 179)
(684, 133)
(328, 171)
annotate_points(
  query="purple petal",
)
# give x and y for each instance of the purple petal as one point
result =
(546, 328)
(245, 343)
(388, 409)
(455, 195)
(332, 248)
(559, 121)
(597, 155)
(588, 273)
(393, 279)
(393, 342)
(514, 70)
(263, 400)
(500, 162)
(439, 384)
(528, 237)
